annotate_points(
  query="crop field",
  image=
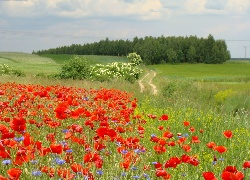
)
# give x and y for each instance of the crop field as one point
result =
(196, 127)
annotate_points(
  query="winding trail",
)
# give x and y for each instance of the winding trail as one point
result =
(151, 84)
(141, 84)
(148, 81)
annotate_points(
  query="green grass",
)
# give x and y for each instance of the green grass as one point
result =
(31, 64)
(205, 72)
(93, 59)
(180, 85)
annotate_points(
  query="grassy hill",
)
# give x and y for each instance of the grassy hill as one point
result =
(31, 64)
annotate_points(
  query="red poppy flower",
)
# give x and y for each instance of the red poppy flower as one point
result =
(220, 149)
(162, 142)
(22, 155)
(157, 165)
(246, 164)
(209, 176)
(164, 117)
(195, 139)
(192, 129)
(48, 170)
(173, 162)
(228, 134)
(56, 148)
(167, 134)
(65, 173)
(3, 178)
(18, 124)
(194, 161)
(181, 140)
(14, 173)
(160, 149)
(171, 143)
(125, 164)
(185, 158)
(91, 157)
(120, 129)
(231, 173)
(186, 148)
(160, 128)
(186, 123)
(162, 173)
(211, 145)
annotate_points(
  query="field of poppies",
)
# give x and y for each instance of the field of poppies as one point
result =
(64, 132)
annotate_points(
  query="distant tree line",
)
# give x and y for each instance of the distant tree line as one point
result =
(154, 50)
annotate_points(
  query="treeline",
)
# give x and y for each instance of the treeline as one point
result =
(154, 50)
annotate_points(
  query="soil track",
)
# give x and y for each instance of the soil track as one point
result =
(147, 80)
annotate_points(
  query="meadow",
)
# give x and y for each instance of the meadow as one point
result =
(196, 127)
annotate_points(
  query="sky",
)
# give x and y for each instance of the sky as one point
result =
(32, 25)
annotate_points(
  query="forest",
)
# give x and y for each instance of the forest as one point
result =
(154, 50)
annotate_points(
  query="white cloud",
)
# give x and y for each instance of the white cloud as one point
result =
(142, 9)
(238, 6)
(216, 4)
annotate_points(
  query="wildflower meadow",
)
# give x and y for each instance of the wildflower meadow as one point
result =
(65, 132)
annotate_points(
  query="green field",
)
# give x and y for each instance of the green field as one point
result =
(31, 64)
(230, 71)
(195, 84)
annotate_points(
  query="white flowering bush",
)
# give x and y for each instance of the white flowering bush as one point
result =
(127, 71)
(6, 70)
(134, 58)
(79, 68)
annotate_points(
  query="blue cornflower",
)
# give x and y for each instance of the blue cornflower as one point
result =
(19, 139)
(153, 135)
(65, 130)
(34, 161)
(118, 144)
(154, 163)
(134, 168)
(123, 174)
(60, 161)
(63, 143)
(6, 162)
(136, 177)
(142, 150)
(184, 174)
(85, 99)
(146, 176)
(179, 137)
(36, 173)
(99, 172)
(137, 151)
(124, 151)
(221, 159)
(69, 150)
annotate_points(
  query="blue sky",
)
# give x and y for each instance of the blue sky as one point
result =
(27, 25)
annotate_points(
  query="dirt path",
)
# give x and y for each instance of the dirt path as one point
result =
(147, 80)
(152, 85)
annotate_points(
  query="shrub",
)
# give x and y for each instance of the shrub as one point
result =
(116, 70)
(6, 70)
(134, 58)
(76, 68)
(221, 96)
